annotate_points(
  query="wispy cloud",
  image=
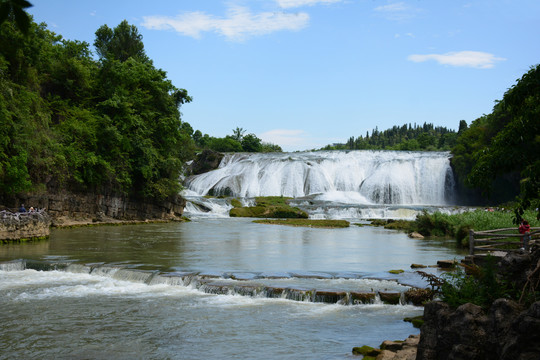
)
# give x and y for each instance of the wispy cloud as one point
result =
(397, 11)
(238, 24)
(474, 59)
(298, 3)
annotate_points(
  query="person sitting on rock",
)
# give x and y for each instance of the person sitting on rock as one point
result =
(525, 230)
(22, 209)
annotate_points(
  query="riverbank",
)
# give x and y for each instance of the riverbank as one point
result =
(506, 328)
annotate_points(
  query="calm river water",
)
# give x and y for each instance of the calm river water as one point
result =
(74, 314)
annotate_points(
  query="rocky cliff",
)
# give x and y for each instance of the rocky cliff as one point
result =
(68, 208)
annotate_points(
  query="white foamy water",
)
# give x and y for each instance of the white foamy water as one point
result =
(355, 177)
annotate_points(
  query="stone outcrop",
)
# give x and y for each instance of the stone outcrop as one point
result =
(391, 350)
(504, 332)
(29, 225)
(72, 209)
(205, 161)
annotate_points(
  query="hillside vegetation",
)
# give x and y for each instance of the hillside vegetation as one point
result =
(69, 121)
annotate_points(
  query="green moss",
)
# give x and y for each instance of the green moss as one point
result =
(416, 321)
(269, 207)
(364, 350)
(236, 203)
(377, 222)
(404, 225)
(396, 271)
(306, 222)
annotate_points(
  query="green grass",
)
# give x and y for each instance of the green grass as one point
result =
(306, 222)
(268, 207)
(457, 225)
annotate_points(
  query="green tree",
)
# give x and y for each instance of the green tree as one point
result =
(238, 134)
(120, 43)
(251, 143)
(498, 153)
(16, 10)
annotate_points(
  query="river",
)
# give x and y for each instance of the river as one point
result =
(73, 314)
(225, 288)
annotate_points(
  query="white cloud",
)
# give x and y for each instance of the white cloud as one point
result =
(298, 3)
(474, 59)
(397, 11)
(238, 24)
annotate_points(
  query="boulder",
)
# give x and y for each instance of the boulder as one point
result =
(205, 161)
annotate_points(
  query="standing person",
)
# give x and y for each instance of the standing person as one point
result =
(525, 230)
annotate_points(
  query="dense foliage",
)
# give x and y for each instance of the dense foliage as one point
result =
(498, 153)
(406, 137)
(237, 142)
(69, 121)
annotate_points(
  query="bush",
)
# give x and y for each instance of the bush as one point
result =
(481, 288)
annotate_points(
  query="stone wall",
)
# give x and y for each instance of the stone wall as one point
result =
(16, 226)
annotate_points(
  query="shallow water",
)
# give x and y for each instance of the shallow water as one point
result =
(78, 315)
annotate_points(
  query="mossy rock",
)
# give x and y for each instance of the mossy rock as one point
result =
(416, 321)
(377, 222)
(399, 225)
(396, 271)
(367, 351)
(418, 296)
(362, 297)
(391, 298)
(277, 212)
(236, 203)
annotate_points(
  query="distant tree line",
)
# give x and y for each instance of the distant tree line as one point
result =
(237, 142)
(426, 137)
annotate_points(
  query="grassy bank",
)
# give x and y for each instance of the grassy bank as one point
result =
(268, 207)
(458, 225)
(306, 222)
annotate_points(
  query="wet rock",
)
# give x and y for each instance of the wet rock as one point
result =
(390, 297)
(362, 297)
(418, 266)
(366, 351)
(416, 235)
(330, 297)
(391, 345)
(418, 296)
(205, 161)
(446, 264)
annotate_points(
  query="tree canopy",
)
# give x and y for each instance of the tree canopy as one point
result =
(498, 153)
(68, 121)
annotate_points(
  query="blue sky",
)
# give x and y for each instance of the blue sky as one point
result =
(306, 73)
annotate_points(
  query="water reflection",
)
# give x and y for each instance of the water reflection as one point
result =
(237, 245)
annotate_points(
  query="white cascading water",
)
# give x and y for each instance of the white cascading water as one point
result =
(352, 177)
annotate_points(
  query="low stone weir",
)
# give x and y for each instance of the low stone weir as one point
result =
(22, 226)
(229, 284)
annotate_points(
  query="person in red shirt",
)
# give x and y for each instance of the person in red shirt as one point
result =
(525, 230)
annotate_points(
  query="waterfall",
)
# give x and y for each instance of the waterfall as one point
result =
(355, 177)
